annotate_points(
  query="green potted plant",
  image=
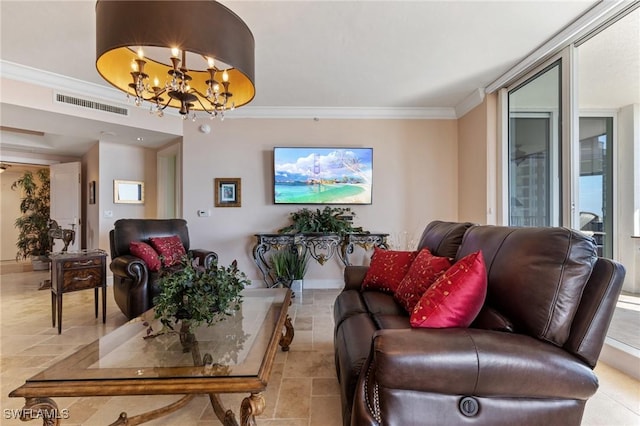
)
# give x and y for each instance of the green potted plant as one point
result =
(195, 295)
(298, 264)
(332, 220)
(279, 261)
(289, 267)
(33, 225)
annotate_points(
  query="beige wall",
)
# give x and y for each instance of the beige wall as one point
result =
(122, 162)
(477, 158)
(415, 180)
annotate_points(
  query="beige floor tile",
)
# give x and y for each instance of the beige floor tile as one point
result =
(302, 391)
(325, 387)
(295, 398)
(325, 411)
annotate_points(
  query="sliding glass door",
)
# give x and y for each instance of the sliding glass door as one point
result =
(595, 202)
(534, 150)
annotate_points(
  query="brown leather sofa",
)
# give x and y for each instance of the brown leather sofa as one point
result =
(134, 286)
(527, 359)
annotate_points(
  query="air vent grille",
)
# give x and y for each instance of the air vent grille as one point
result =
(72, 100)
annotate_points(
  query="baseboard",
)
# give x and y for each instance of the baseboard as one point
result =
(621, 357)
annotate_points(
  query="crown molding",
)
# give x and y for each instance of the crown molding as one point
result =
(317, 113)
(26, 74)
(23, 73)
(470, 102)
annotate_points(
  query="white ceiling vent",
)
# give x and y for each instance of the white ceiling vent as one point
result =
(72, 100)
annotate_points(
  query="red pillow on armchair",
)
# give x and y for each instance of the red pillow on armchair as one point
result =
(455, 299)
(145, 252)
(170, 249)
(425, 269)
(387, 269)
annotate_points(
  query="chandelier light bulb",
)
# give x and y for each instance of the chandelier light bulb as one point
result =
(140, 53)
(211, 62)
(175, 52)
(156, 82)
(134, 66)
(225, 76)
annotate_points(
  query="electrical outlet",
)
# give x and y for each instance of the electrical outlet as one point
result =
(108, 213)
(203, 213)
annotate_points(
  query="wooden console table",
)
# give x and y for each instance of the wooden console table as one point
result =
(73, 271)
(321, 247)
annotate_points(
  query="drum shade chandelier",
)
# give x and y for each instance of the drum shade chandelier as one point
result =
(188, 55)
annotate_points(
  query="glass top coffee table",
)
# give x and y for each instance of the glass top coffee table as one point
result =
(231, 356)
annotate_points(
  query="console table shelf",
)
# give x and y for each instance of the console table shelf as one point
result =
(320, 246)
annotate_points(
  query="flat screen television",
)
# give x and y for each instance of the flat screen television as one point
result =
(322, 175)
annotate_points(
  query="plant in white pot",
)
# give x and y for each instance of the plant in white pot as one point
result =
(289, 267)
(33, 224)
(298, 264)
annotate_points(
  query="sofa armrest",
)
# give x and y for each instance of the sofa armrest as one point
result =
(131, 267)
(354, 276)
(204, 257)
(477, 362)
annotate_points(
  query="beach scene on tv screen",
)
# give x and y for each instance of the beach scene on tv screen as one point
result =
(323, 175)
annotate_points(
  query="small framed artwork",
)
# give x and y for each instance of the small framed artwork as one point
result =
(92, 192)
(227, 192)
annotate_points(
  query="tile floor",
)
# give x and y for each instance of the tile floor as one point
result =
(303, 389)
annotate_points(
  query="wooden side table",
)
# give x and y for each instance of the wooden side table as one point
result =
(73, 271)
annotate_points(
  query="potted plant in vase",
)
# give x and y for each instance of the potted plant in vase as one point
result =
(280, 267)
(196, 295)
(33, 239)
(289, 267)
(298, 263)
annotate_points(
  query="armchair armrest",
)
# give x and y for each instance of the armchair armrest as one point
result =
(131, 267)
(477, 362)
(354, 276)
(204, 257)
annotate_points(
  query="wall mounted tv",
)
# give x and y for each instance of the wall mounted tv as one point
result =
(322, 175)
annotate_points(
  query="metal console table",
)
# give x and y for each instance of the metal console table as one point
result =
(320, 246)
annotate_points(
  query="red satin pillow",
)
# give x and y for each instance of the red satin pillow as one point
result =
(425, 269)
(145, 252)
(170, 249)
(387, 269)
(455, 299)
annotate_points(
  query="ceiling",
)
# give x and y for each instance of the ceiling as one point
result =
(309, 54)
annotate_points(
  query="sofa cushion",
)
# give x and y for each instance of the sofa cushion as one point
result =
(387, 269)
(145, 252)
(381, 303)
(443, 238)
(170, 249)
(347, 303)
(455, 298)
(386, 322)
(536, 275)
(422, 273)
(490, 319)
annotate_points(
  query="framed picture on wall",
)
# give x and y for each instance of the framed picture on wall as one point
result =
(227, 192)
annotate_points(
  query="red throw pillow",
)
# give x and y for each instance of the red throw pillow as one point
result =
(145, 252)
(387, 269)
(455, 299)
(170, 249)
(423, 272)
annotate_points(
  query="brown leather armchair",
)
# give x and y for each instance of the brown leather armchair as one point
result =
(134, 286)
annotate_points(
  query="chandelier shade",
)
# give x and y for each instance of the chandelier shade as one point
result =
(189, 55)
